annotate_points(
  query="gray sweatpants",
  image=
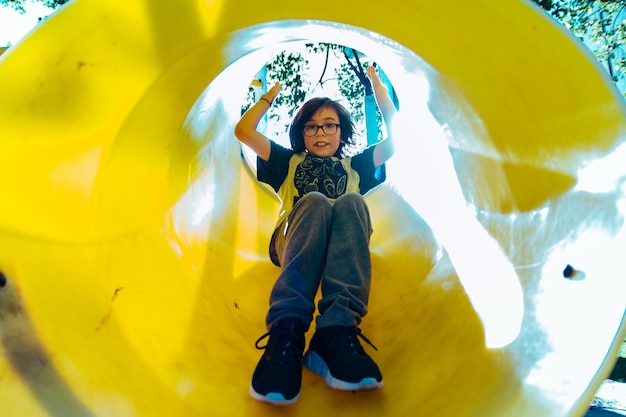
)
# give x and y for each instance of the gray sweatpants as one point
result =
(325, 243)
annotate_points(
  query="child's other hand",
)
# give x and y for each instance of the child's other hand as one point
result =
(377, 84)
(273, 92)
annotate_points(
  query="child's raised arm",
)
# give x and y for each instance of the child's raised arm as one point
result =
(246, 129)
(383, 150)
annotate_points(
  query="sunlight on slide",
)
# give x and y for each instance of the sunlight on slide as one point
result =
(133, 233)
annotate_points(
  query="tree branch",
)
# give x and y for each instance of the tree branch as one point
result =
(609, 61)
(359, 72)
(321, 80)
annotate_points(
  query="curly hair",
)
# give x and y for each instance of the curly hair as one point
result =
(306, 112)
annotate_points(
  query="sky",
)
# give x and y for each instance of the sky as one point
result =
(14, 25)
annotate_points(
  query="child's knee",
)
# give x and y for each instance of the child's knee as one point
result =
(314, 198)
(315, 202)
(351, 200)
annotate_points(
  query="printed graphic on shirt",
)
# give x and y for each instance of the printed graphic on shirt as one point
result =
(323, 175)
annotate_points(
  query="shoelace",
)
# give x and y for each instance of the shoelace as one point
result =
(351, 339)
(281, 347)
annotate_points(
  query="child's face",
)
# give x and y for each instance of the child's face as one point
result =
(323, 144)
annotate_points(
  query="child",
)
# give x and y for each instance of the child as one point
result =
(321, 238)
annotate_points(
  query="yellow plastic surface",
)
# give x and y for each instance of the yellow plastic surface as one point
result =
(133, 235)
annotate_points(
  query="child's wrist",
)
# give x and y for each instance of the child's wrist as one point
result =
(269, 102)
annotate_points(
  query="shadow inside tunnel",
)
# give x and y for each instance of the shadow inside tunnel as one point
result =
(29, 358)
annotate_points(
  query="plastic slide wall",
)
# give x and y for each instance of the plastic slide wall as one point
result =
(133, 235)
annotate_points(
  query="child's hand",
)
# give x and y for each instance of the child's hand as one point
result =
(273, 92)
(377, 84)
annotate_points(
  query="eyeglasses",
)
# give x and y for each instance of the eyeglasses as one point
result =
(327, 128)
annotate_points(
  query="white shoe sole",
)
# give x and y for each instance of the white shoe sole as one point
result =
(315, 363)
(274, 398)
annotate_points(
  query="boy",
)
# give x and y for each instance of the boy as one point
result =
(321, 239)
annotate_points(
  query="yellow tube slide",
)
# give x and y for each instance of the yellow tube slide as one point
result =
(133, 235)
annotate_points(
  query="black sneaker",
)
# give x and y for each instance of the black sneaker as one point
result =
(336, 354)
(277, 378)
